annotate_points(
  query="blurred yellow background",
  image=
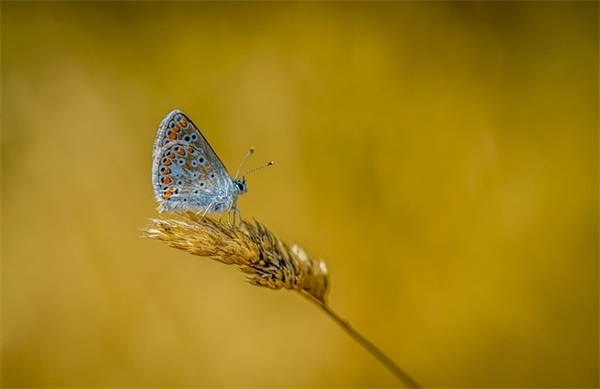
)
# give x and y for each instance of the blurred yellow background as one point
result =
(440, 157)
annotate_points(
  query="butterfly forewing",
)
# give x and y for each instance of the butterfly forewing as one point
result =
(187, 173)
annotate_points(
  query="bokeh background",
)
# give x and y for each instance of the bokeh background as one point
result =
(441, 157)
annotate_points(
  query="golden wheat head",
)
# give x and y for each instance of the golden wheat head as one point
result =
(266, 260)
(250, 246)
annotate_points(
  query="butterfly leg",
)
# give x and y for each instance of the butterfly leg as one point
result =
(203, 215)
(236, 216)
(220, 214)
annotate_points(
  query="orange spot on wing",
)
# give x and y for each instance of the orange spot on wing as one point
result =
(181, 151)
(167, 170)
(166, 180)
(168, 162)
(172, 155)
(173, 135)
(176, 128)
(183, 123)
(167, 195)
(190, 149)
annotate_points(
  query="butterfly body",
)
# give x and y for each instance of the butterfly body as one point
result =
(187, 174)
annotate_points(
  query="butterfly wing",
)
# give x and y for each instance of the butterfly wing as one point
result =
(186, 173)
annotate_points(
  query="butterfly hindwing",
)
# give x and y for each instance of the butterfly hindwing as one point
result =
(187, 173)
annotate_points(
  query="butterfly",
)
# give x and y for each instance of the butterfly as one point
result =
(187, 174)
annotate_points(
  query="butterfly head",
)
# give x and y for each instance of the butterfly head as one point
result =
(240, 185)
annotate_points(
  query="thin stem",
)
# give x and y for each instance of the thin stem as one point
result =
(370, 347)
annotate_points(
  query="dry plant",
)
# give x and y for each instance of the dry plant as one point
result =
(266, 260)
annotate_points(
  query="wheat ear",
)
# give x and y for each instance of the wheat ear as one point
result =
(266, 260)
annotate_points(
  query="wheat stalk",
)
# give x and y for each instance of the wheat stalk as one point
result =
(266, 260)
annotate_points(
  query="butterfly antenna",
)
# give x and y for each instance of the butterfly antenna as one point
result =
(244, 161)
(258, 168)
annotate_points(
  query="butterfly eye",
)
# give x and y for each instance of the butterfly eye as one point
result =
(240, 186)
